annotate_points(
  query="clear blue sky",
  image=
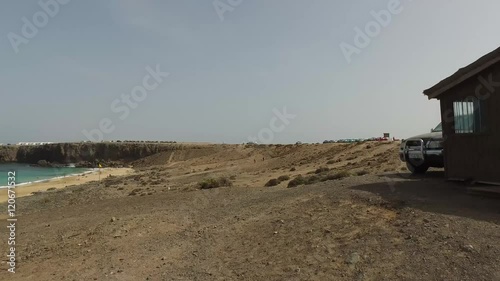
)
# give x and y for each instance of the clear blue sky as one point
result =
(226, 77)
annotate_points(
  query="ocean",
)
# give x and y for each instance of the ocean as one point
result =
(27, 174)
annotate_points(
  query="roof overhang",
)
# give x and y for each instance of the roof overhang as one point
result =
(463, 74)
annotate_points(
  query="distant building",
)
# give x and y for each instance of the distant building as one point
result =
(33, 143)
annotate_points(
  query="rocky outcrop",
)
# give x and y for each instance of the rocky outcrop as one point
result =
(43, 163)
(8, 154)
(85, 154)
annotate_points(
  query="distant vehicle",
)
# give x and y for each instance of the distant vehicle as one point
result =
(423, 151)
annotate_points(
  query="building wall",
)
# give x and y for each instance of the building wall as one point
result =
(473, 156)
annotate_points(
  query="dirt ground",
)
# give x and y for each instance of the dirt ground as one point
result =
(380, 223)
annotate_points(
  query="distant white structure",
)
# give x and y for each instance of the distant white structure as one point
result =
(33, 143)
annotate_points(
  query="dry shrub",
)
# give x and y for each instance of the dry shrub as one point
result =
(299, 180)
(362, 172)
(321, 170)
(272, 182)
(312, 179)
(339, 175)
(215, 182)
(283, 178)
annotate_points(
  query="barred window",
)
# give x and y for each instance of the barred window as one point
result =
(469, 116)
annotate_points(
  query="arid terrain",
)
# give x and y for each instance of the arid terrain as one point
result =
(355, 214)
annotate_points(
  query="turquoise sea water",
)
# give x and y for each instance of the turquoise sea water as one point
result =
(25, 173)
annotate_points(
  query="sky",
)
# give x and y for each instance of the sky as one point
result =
(234, 67)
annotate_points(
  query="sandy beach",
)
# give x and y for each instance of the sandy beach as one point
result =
(28, 189)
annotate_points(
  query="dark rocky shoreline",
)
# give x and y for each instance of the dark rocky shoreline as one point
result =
(85, 155)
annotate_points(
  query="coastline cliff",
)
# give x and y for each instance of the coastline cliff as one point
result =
(85, 154)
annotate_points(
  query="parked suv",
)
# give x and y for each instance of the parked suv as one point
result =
(423, 151)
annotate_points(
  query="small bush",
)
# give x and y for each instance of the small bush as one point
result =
(209, 183)
(272, 182)
(223, 181)
(312, 179)
(339, 175)
(330, 162)
(283, 178)
(293, 169)
(299, 180)
(362, 172)
(214, 183)
(321, 170)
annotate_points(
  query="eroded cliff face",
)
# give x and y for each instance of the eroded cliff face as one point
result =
(8, 154)
(84, 152)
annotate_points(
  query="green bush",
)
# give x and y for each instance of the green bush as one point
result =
(330, 162)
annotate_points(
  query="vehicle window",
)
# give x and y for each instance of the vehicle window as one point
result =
(439, 128)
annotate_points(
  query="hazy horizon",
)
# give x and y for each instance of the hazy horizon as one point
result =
(225, 71)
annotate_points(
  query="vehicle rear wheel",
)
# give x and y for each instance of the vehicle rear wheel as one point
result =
(417, 170)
